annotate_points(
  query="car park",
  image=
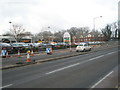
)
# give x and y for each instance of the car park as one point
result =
(83, 47)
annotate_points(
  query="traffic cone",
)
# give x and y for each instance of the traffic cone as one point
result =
(50, 50)
(28, 58)
(32, 53)
(18, 53)
(7, 54)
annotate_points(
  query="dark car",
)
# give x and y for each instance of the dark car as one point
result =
(7, 47)
(17, 46)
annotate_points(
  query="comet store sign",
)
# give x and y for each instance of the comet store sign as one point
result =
(26, 40)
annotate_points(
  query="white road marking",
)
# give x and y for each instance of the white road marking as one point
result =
(78, 63)
(101, 80)
(96, 57)
(6, 86)
(110, 53)
(63, 68)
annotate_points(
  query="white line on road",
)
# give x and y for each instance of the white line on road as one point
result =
(110, 53)
(101, 80)
(63, 68)
(96, 57)
(77, 63)
(6, 86)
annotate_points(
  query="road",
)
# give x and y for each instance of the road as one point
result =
(83, 71)
(6, 62)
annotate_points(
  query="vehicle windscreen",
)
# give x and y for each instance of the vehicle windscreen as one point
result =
(80, 45)
(4, 44)
(16, 45)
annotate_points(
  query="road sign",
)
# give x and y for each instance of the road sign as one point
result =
(66, 37)
(3, 52)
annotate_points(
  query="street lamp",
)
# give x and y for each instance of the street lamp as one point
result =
(10, 29)
(49, 36)
(94, 21)
(10, 25)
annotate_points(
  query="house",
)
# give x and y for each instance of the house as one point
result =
(89, 37)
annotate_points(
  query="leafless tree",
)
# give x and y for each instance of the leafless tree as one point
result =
(77, 32)
(107, 31)
(96, 34)
(116, 30)
(46, 35)
(59, 36)
(17, 32)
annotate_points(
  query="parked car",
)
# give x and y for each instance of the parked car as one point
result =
(17, 46)
(26, 45)
(7, 47)
(83, 47)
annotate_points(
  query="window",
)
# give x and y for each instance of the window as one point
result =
(85, 44)
(89, 35)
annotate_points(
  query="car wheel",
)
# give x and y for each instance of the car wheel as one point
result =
(84, 50)
(77, 51)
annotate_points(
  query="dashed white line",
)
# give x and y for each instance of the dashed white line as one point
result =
(101, 80)
(110, 53)
(77, 63)
(96, 57)
(6, 86)
(63, 68)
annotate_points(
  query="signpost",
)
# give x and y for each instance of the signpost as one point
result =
(67, 39)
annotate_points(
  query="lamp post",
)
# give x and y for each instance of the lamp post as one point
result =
(49, 36)
(10, 24)
(94, 21)
(10, 29)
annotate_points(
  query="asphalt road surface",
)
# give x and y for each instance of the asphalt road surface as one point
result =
(83, 71)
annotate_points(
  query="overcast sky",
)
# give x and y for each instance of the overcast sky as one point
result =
(37, 15)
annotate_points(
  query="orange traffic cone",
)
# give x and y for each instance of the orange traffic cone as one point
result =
(7, 54)
(18, 53)
(32, 53)
(50, 50)
(28, 58)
